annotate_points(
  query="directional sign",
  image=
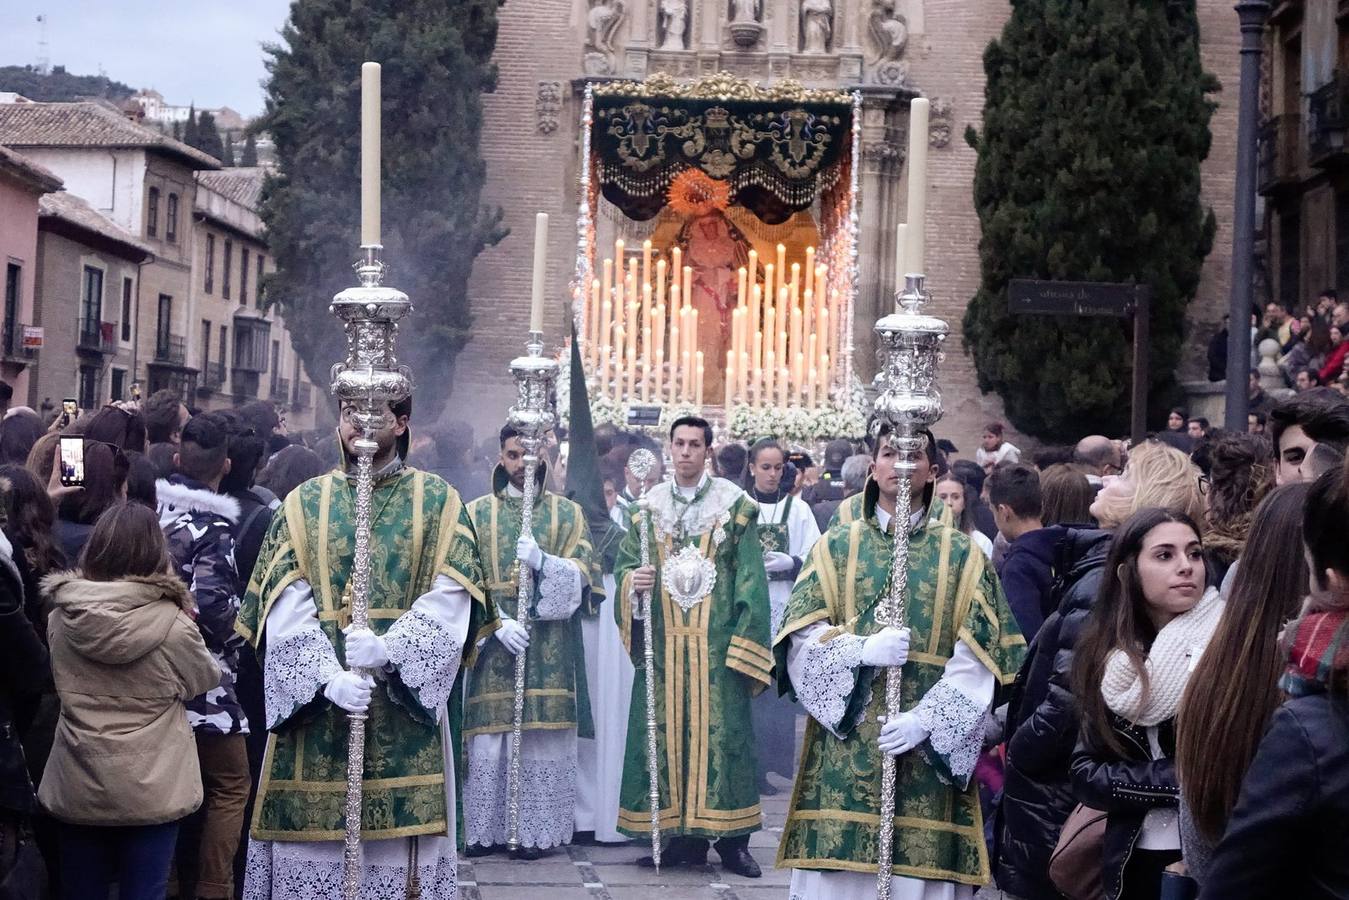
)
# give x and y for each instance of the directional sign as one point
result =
(1072, 298)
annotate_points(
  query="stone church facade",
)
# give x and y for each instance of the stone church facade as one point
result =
(889, 50)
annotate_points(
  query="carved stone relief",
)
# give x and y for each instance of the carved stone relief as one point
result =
(674, 24)
(548, 105)
(888, 34)
(940, 123)
(817, 25)
(745, 25)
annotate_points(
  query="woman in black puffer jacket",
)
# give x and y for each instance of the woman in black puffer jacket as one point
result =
(1042, 727)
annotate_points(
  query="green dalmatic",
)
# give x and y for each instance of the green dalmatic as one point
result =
(953, 595)
(420, 530)
(711, 656)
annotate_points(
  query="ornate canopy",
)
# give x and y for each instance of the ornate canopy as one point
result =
(779, 148)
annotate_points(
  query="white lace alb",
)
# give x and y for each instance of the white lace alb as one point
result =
(956, 726)
(547, 788)
(313, 871)
(295, 667)
(426, 656)
(560, 589)
(829, 678)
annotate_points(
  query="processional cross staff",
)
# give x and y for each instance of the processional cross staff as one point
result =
(640, 463)
(909, 403)
(367, 383)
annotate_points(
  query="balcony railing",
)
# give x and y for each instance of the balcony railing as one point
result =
(97, 336)
(1326, 120)
(213, 376)
(281, 390)
(1280, 150)
(14, 345)
(170, 350)
(303, 395)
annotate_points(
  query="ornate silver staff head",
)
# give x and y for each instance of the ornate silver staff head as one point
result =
(910, 348)
(370, 379)
(640, 464)
(535, 411)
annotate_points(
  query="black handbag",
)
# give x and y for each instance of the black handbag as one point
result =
(23, 873)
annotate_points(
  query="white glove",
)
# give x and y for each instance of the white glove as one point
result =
(887, 647)
(527, 551)
(902, 735)
(513, 636)
(365, 649)
(350, 691)
(776, 562)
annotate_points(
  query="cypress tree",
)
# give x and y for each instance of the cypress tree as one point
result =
(250, 154)
(190, 129)
(1095, 124)
(437, 64)
(227, 156)
(208, 136)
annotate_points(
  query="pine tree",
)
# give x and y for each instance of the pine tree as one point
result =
(437, 64)
(1095, 123)
(250, 154)
(227, 152)
(177, 130)
(208, 136)
(190, 129)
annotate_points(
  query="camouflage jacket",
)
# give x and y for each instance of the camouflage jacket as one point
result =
(199, 526)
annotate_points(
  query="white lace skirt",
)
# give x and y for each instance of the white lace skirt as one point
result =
(547, 788)
(812, 884)
(288, 870)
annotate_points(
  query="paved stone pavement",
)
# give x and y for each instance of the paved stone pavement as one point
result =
(607, 872)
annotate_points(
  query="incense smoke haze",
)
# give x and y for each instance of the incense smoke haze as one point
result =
(195, 52)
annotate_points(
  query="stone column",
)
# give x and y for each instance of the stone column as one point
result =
(881, 161)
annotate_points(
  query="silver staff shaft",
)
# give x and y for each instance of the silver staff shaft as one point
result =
(649, 659)
(360, 604)
(525, 591)
(896, 614)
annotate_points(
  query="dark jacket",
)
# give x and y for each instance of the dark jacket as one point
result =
(256, 508)
(71, 538)
(1288, 834)
(1027, 576)
(1126, 786)
(25, 674)
(199, 525)
(1042, 724)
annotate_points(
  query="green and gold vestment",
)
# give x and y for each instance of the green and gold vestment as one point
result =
(851, 509)
(555, 678)
(420, 529)
(709, 662)
(953, 596)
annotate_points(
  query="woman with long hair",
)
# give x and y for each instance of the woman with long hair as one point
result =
(126, 656)
(1234, 689)
(1155, 475)
(109, 435)
(1241, 472)
(958, 497)
(1287, 834)
(1153, 617)
(1065, 496)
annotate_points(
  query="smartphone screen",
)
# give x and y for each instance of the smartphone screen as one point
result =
(68, 410)
(72, 461)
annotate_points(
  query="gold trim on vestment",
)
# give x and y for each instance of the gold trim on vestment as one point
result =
(921, 872)
(325, 585)
(943, 576)
(527, 726)
(418, 525)
(797, 624)
(336, 787)
(438, 828)
(529, 692)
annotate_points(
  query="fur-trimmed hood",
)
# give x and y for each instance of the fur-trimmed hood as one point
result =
(177, 495)
(116, 622)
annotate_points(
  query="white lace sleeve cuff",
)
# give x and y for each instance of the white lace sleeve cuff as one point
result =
(426, 643)
(953, 712)
(299, 658)
(560, 589)
(824, 676)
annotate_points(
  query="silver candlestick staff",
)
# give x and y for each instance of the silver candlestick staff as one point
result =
(533, 416)
(366, 384)
(910, 348)
(640, 464)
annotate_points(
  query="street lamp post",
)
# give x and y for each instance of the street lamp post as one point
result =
(1252, 14)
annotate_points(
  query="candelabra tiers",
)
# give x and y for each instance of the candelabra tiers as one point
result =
(533, 416)
(365, 385)
(909, 403)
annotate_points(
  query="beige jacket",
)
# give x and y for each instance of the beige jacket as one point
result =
(125, 657)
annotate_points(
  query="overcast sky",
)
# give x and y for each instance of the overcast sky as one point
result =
(191, 51)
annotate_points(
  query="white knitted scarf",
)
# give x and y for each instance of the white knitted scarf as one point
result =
(1173, 656)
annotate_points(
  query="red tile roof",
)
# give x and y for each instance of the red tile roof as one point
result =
(88, 124)
(20, 166)
(74, 211)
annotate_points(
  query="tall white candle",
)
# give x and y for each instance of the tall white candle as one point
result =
(915, 253)
(540, 268)
(370, 168)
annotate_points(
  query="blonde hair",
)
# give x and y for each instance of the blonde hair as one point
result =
(1161, 476)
